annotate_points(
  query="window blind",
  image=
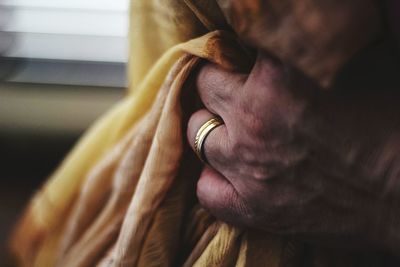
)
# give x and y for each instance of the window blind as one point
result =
(76, 42)
(80, 30)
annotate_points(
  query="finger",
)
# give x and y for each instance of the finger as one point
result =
(278, 78)
(268, 73)
(216, 144)
(218, 195)
(217, 87)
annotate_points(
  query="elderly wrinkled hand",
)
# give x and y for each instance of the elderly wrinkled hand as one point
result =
(291, 158)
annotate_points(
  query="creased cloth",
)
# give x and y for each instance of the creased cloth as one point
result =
(125, 195)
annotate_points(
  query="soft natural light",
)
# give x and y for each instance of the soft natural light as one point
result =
(115, 5)
(83, 30)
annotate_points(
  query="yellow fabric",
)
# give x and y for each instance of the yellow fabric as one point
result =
(124, 196)
(87, 189)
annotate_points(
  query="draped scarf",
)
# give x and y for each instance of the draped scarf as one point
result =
(125, 194)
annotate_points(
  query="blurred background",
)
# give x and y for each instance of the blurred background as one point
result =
(62, 64)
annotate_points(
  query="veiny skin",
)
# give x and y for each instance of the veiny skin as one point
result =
(295, 159)
(316, 36)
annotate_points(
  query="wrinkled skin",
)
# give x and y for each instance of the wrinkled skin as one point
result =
(316, 36)
(295, 159)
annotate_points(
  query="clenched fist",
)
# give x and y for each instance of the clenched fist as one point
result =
(294, 159)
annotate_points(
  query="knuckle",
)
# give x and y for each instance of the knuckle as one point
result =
(216, 85)
(255, 164)
(208, 78)
(239, 148)
(261, 173)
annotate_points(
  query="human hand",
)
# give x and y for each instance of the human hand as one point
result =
(292, 159)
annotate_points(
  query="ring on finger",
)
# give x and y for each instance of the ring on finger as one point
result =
(202, 134)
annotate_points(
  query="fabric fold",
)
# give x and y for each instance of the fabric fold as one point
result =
(125, 195)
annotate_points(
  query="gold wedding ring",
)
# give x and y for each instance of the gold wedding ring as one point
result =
(202, 134)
